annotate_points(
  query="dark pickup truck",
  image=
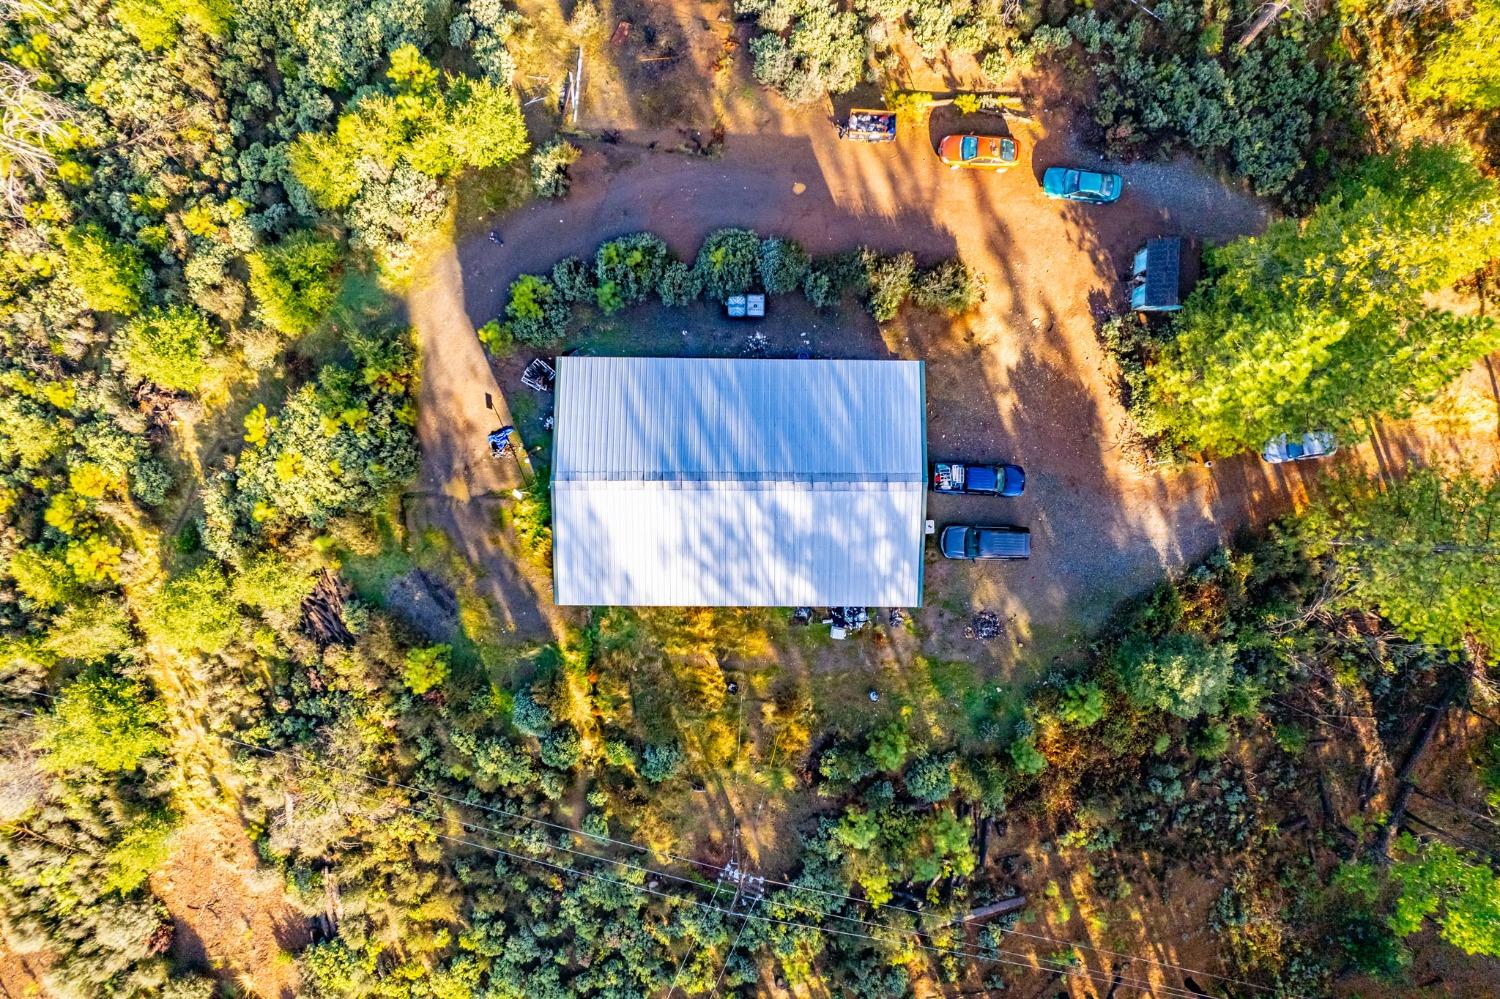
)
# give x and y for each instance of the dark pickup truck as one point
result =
(984, 480)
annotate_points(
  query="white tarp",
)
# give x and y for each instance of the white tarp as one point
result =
(706, 482)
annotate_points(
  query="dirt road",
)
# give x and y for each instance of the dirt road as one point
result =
(1021, 379)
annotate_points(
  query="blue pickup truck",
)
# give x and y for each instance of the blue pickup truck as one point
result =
(983, 480)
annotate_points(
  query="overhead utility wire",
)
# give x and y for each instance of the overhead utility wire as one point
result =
(633, 846)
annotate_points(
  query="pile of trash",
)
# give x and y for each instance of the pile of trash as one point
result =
(985, 626)
(897, 617)
(845, 621)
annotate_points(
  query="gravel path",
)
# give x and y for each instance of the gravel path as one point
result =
(1022, 379)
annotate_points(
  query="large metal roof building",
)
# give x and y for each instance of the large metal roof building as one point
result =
(738, 483)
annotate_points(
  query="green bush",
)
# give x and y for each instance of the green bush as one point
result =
(950, 288)
(296, 281)
(1264, 111)
(661, 763)
(889, 282)
(1026, 758)
(728, 263)
(930, 778)
(679, 284)
(102, 722)
(1183, 675)
(574, 280)
(193, 613)
(537, 312)
(549, 168)
(142, 849)
(169, 347)
(633, 264)
(889, 745)
(425, 668)
(819, 289)
(783, 265)
(1082, 704)
(497, 338)
(824, 53)
(110, 273)
(608, 297)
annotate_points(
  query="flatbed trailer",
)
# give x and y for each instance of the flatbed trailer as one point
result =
(869, 125)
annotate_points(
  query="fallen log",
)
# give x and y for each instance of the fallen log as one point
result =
(1268, 14)
(1000, 908)
(1404, 784)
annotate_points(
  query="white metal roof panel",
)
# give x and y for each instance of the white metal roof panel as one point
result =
(709, 482)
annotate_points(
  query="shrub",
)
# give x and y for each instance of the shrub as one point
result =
(783, 265)
(966, 103)
(169, 347)
(1026, 757)
(1082, 704)
(633, 264)
(426, 668)
(727, 263)
(661, 763)
(573, 279)
(102, 722)
(950, 288)
(825, 53)
(679, 284)
(1261, 111)
(889, 745)
(296, 281)
(194, 612)
(537, 313)
(110, 273)
(607, 296)
(497, 338)
(1212, 742)
(930, 779)
(1181, 674)
(549, 168)
(140, 851)
(820, 290)
(889, 283)
(845, 765)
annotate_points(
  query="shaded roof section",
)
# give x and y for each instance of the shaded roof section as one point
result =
(1163, 272)
(708, 482)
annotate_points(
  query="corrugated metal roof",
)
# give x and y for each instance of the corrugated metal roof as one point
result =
(708, 482)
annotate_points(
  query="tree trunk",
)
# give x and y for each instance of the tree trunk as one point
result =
(1404, 783)
(1268, 14)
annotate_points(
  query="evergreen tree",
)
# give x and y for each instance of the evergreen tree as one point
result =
(1318, 324)
(1420, 551)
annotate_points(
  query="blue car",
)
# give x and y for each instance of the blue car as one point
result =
(1081, 185)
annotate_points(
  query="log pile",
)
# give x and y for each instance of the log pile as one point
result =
(323, 612)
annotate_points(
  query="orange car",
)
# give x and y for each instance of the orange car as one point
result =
(978, 152)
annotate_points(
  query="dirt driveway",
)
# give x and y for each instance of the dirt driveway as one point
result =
(1021, 379)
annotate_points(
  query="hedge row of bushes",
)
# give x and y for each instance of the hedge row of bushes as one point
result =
(539, 308)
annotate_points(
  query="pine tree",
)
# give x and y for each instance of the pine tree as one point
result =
(1322, 323)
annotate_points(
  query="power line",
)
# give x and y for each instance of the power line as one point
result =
(995, 954)
(748, 915)
(730, 952)
(388, 783)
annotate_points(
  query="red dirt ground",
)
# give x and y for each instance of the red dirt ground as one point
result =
(230, 918)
